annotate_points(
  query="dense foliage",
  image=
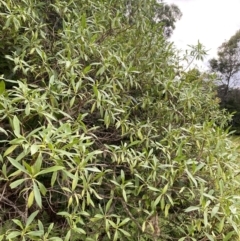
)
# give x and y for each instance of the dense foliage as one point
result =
(99, 138)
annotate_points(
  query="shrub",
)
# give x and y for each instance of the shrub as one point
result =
(99, 140)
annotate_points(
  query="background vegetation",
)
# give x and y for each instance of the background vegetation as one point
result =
(227, 67)
(101, 138)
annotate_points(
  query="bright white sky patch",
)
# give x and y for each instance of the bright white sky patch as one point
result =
(209, 21)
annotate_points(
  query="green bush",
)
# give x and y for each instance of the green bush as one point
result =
(99, 139)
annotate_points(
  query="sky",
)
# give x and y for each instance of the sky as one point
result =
(209, 21)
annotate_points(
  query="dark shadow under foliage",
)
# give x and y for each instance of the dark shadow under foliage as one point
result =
(230, 100)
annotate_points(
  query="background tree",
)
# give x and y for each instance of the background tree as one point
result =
(99, 140)
(167, 14)
(227, 68)
(161, 12)
(227, 65)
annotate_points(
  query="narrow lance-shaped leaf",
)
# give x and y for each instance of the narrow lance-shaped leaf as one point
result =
(10, 150)
(2, 87)
(49, 169)
(17, 183)
(30, 199)
(16, 126)
(17, 165)
(31, 218)
(37, 195)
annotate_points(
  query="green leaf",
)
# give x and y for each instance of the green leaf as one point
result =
(16, 173)
(210, 237)
(55, 239)
(37, 195)
(10, 150)
(221, 224)
(54, 178)
(139, 133)
(68, 64)
(75, 181)
(40, 53)
(124, 195)
(215, 210)
(126, 220)
(209, 196)
(66, 214)
(38, 164)
(162, 203)
(27, 109)
(96, 194)
(17, 141)
(2, 87)
(18, 222)
(95, 90)
(182, 239)
(30, 199)
(114, 225)
(16, 126)
(50, 116)
(3, 131)
(127, 234)
(79, 230)
(97, 217)
(17, 165)
(93, 169)
(51, 79)
(165, 189)
(68, 236)
(4, 170)
(49, 169)
(86, 69)
(205, 217)
(89, 200)
(72, 101)
(192, 208)
(50, 227)
(13, 234)
(115, 237)
(28, 167)
(228, 236)
(42, 188)
(31, 218)
(156, 202)
(109, 203)
(122, 176)
(17, 183)
(83, 21)
(144, 226)
(154, 189)
(70, 201)
(37, 233)
(34, 149)
(167, 207)
(191, 177)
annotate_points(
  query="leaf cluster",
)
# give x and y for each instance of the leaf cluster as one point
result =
(99, 140)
